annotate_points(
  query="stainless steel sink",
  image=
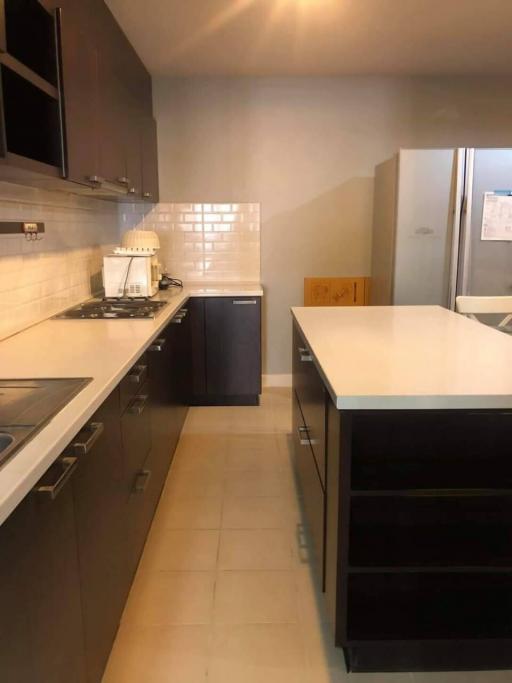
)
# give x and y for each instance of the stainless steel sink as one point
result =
(6, 440)
(26, 405)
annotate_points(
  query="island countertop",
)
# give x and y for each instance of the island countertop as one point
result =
(408, 357)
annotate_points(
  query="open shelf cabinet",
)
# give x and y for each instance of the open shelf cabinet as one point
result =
(424, 549)
(30, 37)
(455, 606)
(30, 100)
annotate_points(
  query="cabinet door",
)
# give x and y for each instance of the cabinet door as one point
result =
(55, 605)
(136, 435)
(149, 161)
(80, 90)
(112, 124)
(16, 654)
(132, 146)
(312, 398)
(233, 346)
(196, 316)
(169, 373)
(311, 488)
(161, 390)
(99, 511)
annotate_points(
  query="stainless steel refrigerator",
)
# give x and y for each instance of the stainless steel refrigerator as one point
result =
(428, 245)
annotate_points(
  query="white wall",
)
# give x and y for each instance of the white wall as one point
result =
(306, 148)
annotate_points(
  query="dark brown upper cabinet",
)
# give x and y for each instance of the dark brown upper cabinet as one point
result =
(81, 101)
(149, 161)
(30, 139)
(76, 100)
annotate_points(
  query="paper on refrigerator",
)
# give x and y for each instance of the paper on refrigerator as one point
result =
(497, 216)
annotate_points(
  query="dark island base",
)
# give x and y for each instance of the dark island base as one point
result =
(206, 400)
(410, 517)
(455, 655)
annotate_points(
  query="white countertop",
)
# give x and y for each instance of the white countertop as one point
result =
(102, 349)
(408, 357)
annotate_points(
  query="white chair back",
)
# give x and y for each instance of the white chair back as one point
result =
(484, 305)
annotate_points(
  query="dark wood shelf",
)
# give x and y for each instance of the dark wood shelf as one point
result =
(28, 75)
(422, 531)
(428, 606)
(38, 168)
(30, 37)
(31, 119)
(431, 493)
(431, 450)
(476, 569)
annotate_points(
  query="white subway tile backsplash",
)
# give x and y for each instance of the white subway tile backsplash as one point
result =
(41, 278)
(207, 242)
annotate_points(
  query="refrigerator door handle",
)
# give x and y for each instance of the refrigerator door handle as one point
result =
(466, 216)
(458, 203)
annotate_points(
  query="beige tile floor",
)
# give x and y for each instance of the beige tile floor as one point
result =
(224, 591)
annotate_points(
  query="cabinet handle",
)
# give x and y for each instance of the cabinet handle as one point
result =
(141, 481)
(138, 405)
(147, 195)
(158, 345)
(304, 441)
(136, 377)
(123, 180)
(96, 179)
(69, 465)
(244, 302)
(132, 190)
(305, 355)
(83, 447)
(177, 321)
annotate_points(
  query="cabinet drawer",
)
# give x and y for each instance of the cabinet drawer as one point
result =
(310, 392)
(136, 431)
(311, 487)
(133, 381)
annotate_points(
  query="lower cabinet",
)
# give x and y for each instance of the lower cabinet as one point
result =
(309, 439)
(227, 350)
(40, 604)
(100, 518)
(313, 496)
(69, 551)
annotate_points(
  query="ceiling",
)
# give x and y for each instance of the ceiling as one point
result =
(319, 37)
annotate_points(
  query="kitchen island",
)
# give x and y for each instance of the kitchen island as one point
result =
(402, 432)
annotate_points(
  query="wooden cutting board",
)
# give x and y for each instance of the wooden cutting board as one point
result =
(336, 291)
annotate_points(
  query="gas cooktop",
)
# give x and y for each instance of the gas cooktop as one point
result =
(114, 309)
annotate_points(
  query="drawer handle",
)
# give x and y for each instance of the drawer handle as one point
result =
(141, 481)
(69, 465)
(136, 376)
(305, 355)
(138, 405)
(83, 447)
(244, 302)
(96, 179)
(304, 440)
(158, 345)
(177, 321)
